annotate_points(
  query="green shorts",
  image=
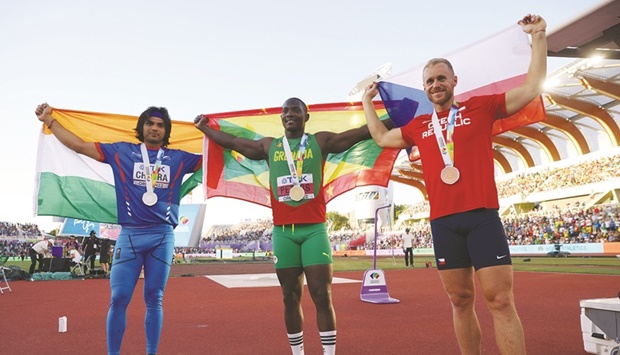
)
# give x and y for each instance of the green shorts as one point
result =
(301, 245)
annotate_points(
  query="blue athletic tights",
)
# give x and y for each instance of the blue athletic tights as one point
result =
(152, 248)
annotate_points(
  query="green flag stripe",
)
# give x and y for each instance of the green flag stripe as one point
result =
(63, 196)
(238, 131)
(191, 182)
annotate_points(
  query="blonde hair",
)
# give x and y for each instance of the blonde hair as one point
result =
(435, 61)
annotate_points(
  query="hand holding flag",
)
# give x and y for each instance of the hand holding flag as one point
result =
(231, 174)
(480, 74)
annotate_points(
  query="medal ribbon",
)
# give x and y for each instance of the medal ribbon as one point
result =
(446, 146)
(155, 173)
(151, 176)
(295, 167)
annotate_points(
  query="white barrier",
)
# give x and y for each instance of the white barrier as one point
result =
(515, 250)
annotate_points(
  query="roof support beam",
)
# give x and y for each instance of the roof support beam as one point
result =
(599, 114)
(542, 139)
(411, 174)
(416, 166)
(502, 161)
(570, 129)
(600, 86)
(411, 182)
(517, 147)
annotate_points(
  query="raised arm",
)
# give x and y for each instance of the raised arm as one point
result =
(385, 138)
(251, 149)
(520, 96)
(66, 137)
(339, 142)
(331, 142)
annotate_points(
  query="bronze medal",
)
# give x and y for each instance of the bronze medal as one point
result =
(450, 175)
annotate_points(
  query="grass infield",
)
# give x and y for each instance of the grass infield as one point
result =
(574, 264)
(571, 264)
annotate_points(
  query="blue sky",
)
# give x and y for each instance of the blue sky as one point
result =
(206, 56)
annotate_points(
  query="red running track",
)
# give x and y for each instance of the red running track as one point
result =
(203, 317)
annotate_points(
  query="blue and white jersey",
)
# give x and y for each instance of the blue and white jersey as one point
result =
(130, 181)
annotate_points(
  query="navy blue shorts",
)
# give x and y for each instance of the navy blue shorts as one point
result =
(473, 238)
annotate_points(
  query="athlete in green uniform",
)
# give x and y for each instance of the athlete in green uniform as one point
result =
(300, 242)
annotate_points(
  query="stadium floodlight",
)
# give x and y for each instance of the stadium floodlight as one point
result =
(596, 59)
(551, 83)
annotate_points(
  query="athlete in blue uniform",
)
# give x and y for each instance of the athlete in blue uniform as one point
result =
(147, 180)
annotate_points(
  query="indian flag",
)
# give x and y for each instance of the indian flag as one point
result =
(230, 174)
(68, 184)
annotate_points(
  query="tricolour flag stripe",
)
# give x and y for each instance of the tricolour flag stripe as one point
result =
(68, 184)
(67, 196)
(492, 65)
(72, 185)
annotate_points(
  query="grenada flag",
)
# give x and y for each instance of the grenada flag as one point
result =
(72, 185)
(492, 65)
(230, 174)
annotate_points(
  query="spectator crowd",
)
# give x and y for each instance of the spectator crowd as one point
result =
(548, 179)
(571, 224)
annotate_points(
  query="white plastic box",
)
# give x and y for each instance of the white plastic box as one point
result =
(62, 324)
(596, 314)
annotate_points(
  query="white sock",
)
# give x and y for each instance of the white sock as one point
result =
(297, 343)
(328, 340)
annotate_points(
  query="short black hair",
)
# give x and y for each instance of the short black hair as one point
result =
(300, 101)
(160, 112)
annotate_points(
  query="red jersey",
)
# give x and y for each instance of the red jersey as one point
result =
(473, 156)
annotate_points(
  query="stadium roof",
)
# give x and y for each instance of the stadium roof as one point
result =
(582, 101)
(593, 32)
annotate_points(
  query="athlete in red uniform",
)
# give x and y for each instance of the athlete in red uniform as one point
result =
(468, 235)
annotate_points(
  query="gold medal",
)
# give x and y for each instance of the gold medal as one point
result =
(297, 193)
(450, 175)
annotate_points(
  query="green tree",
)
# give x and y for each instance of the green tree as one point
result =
(336, 221)
(398, 209)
